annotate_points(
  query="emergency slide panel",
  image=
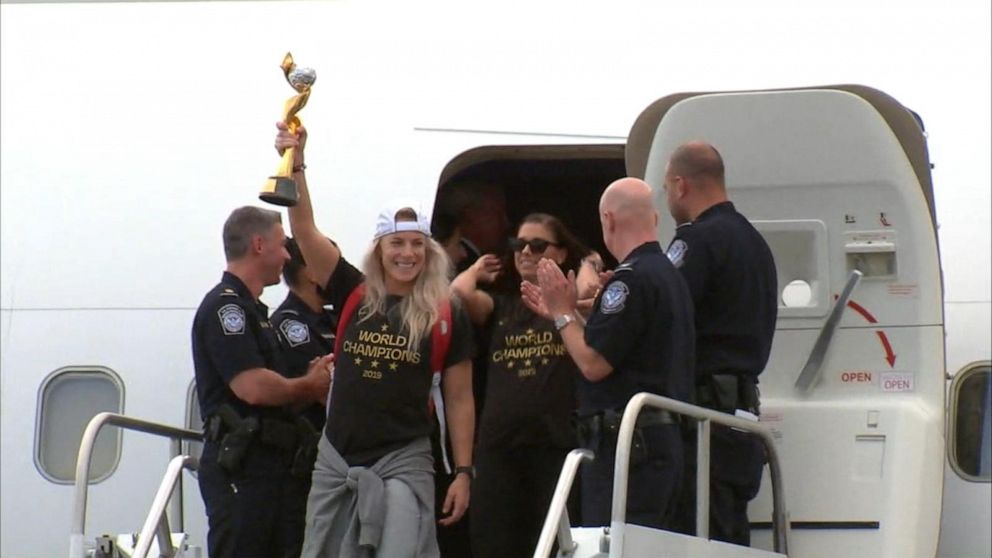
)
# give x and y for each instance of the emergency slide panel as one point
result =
(837, 180)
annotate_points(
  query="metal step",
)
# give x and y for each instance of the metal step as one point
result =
(646, 542)
(124, 546)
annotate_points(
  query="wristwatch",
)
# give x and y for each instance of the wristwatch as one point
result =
(467, 469)
(563, 320)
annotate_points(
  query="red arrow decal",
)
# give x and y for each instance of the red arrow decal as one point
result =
(889, 355)
(861, 310)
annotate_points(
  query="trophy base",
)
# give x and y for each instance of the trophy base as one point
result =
(281, 191)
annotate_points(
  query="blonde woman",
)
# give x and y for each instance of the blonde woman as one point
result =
(373, 491)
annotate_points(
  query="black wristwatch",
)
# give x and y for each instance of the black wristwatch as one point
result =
(467, 469)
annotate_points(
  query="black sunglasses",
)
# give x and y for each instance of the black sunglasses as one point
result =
(537, 245)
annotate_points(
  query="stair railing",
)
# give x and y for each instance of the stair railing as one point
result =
(157, 523)
(176, 437)
(704, 417)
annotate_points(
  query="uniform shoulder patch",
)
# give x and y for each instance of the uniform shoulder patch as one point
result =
(614, 298)
(677, 251)
(296, 332)
(228, 292)
(628, 266)
(232, 319)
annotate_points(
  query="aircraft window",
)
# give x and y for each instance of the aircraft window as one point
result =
(971, 423)
(69, 398)
(193, 422)
(797, 293)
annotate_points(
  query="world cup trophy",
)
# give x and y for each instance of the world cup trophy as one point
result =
(280, 189)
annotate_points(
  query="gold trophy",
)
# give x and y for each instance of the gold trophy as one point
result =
(280, 189)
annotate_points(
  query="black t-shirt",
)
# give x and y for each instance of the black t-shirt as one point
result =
(231, 333)
(730, 272)
(306, 335)
(642, 324)
(379, 399)
(530, 389)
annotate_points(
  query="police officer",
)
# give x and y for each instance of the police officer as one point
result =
(254, 504)
(306, 327)
(639, 338)
(731, 274)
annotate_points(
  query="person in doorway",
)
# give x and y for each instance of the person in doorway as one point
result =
(480, 208)
(526, 429)
(589, 281)
(445, 230)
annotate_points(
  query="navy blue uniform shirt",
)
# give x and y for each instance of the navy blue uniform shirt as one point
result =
(307, 335)
(642, 324)
(231, 334)
(730, 271)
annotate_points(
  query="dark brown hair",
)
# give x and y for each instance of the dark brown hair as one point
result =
(574, 248)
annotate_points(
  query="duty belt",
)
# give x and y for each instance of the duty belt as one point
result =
(273, 432)
(608, 422)
(235, 435)
(729, 392)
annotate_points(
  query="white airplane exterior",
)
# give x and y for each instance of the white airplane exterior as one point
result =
(129, 131)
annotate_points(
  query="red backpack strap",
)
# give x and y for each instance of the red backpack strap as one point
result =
(440, 341)
(350, 305)
(441, 336)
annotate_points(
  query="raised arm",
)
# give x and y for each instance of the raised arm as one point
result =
(321, 254)
(478, 303)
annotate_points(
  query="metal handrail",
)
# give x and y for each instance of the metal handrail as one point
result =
(157, 523)
(621, 467)
(176, 435)
(556, 523)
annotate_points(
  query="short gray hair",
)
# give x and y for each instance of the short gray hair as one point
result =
(243, 223)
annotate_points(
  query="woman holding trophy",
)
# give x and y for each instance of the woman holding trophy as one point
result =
(373, 480)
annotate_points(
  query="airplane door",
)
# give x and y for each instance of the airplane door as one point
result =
(837, 179)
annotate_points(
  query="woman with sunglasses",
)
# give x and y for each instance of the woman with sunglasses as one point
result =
(373, 482)
(525, 430)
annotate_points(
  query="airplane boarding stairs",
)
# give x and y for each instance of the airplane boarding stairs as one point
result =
(625, 540)
(619, 540)
(156, 538)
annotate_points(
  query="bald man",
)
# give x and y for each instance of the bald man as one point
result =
(639, 338)
(730, 272)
